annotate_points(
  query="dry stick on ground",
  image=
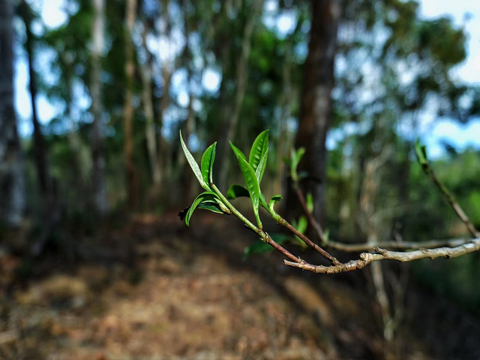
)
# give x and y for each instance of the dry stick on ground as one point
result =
(383, 254)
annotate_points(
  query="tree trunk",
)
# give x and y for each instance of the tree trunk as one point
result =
(128, 107)
(230, 123)
(315, 103)
(40, 153)
(12, 181)
(146, 72)
(100, 195)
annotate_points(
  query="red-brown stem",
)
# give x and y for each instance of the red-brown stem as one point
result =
(309, 242)
(310, 216)
(280, 248)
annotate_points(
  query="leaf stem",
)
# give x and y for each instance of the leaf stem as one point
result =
(263, 235)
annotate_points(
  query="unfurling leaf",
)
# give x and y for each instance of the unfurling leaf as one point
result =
(259, 154)
(301, 226)
(421, 153)
(193, 164)
(295, 157)
(208, 159)
(251, 182)
(236, 191)
(206, 198)
(273, 201)
(309, 202)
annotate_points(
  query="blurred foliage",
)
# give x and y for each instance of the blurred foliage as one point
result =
(393, 69)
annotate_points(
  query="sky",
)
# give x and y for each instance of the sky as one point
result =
(464, 13)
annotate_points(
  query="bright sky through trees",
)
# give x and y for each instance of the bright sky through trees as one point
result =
(464, 12)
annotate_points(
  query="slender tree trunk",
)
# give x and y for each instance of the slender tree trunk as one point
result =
(100, 195)
(163, 150)
(230, 123)
(12, 181)
(128, 107)
(146, 72)
(40, 153)
(315, 103)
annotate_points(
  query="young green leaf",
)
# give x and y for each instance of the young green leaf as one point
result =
(206, 197)
(273, 201)
(296, 156)
(421, 153)
(261, 168)
(193, 164)
(261, 247)
(208, 159)
(236, 191)
(258, 154)
(251, 182)
(213, 207)
(301, 226)
(309, 202)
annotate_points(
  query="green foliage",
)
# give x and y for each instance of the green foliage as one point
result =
(236, 191)
(295, 157)
(251, 181)
(193, 164)
(207, 200)
(208, 159)
(421, 153)
(258, 155)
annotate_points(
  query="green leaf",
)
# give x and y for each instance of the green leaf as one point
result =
(261, 247)
(273, 201)
(193, 164)
(208, 159)
(309, 202)
(207, 197)
(421, 152)
(236, 191)
(251, 182)
(213, 207)
(259, 154)
(296, 156)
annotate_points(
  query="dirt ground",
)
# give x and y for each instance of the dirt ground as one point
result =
(157, 290)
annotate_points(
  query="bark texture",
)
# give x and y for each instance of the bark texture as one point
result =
(40, 153)
(12, 181)
(100, 195)
(315, 102)
(128, 107)
(230, 124)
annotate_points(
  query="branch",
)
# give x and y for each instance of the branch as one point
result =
(382, 254)
(451, 200)
(399, 245)
(307, 241)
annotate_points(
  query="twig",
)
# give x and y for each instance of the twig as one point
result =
(263, 235)
(451, 200)
(310, 216)
(382, 254)
(307, 241)
(399, 245)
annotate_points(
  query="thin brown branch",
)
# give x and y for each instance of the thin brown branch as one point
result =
(382, 254)
(451, 200)
(310, 216)
(281, 249)
(309, 242)
(399, 245)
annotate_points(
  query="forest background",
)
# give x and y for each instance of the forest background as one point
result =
(101, 89)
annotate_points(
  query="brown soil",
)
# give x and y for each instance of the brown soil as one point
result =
(156, 290)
